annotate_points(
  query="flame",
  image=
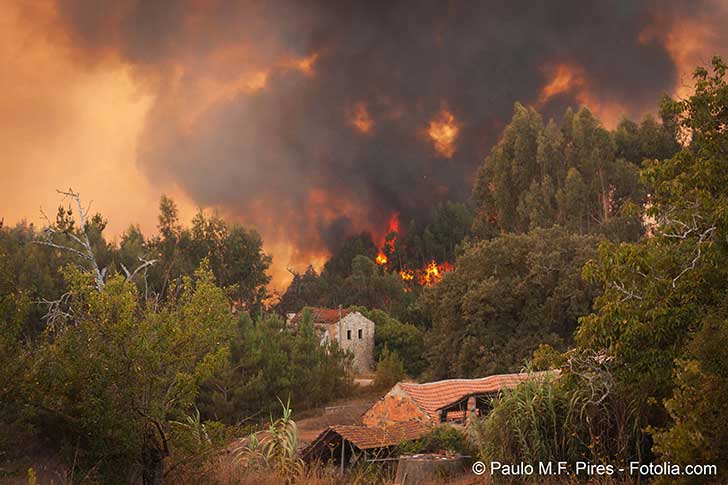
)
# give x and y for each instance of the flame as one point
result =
(392, 232)
(433, 273)
(407, 275)
(564, 78)
(360, 119)
(394, 223)
(570, 78)
(304, 65)
(443, 130)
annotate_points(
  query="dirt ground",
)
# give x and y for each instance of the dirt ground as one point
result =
(347, 411)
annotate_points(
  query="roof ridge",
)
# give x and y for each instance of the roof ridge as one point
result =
(477, 379)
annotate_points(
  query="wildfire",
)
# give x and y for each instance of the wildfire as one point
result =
(430, 275)
(360, 118)
(564, 78)
(433, 273)
(407, 275)
(389, 239)
(569, 78)
(443, 130)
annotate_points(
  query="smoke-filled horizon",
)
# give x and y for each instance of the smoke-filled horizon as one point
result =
(315, 120)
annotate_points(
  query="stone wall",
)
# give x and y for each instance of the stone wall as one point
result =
(394, 407)
(357, 336)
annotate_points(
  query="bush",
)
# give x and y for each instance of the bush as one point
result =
(390, 370)
(442, 438)
(530, 423)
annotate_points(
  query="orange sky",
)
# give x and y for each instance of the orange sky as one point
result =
(69, 122)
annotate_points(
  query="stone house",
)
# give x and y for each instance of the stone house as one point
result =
(350, 329)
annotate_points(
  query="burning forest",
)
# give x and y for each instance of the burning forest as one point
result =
(256, 216)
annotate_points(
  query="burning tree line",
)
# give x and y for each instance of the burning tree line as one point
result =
(429, 275)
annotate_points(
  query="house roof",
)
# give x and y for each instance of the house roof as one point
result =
(368, 437)
(321, 316)
(434, 396)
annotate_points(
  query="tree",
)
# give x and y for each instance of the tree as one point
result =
(85, 241)
(405, 339)
(507, 296)
(14, 307)
(235, 255)
(580, 176)
(390, 369)
(271, 361)
(113, 377)
(664, 295)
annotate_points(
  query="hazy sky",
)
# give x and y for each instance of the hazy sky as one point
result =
(309, 120)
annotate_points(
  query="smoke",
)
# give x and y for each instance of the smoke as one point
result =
(315, 120)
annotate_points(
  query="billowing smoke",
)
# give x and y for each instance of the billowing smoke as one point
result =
(314, 120)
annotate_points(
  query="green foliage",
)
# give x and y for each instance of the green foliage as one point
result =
(580, 176)
(351, 277)
(119, 371)
(531, 423)
(405, 339)
(269, 362)
(664, 297)
(508, 295)
(546, 357)
(235, 255)
(277, 449)
(698, 405)
(368, 285)
(14, 307)
(390, 370)
(442, 438)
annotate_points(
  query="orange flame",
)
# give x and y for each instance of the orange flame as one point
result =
(407, 275)
(443, 130)
(570, 78)
(393, 230)
(433, 273)
(564, 78)
(360, 119)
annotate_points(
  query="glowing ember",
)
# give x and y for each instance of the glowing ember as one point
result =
(443, 131)
(360, 119)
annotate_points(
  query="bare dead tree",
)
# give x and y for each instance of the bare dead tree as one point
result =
(83, 248)
(84, 251)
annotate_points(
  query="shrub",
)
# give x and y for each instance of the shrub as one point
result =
(390, 370)
(442, 438)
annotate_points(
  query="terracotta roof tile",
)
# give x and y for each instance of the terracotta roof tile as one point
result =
(370, 437)
(324, 316)
(433, 396)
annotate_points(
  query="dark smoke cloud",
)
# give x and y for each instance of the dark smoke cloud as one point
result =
(260, 155)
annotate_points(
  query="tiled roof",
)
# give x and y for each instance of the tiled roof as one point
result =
(433, 396)
(324, 316)
(369, 437)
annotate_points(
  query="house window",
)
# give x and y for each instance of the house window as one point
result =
(360, 334)
(348, 335)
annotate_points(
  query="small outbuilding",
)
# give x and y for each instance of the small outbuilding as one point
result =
(448, 401)
(351, 443)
